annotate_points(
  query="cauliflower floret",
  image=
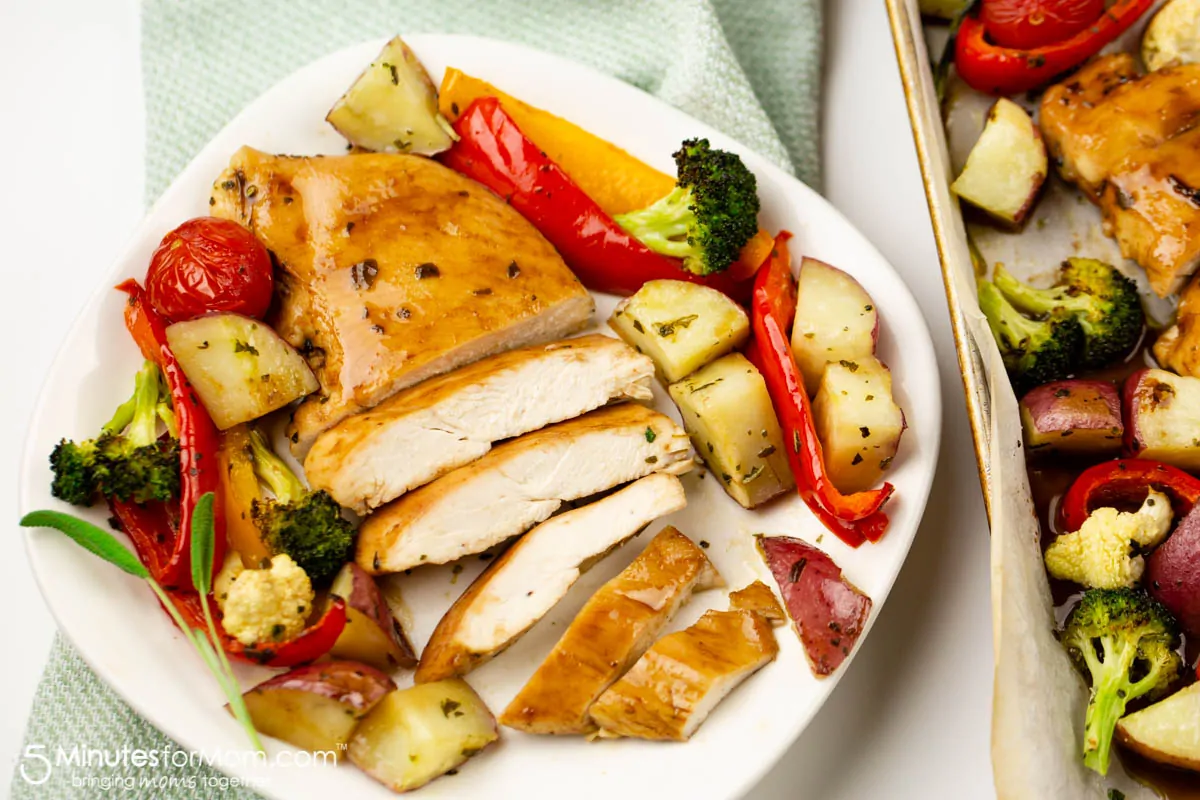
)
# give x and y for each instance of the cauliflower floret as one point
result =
(267, 605)
(1100, 554)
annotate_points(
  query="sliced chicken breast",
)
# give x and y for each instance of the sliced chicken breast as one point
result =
(1151, 206)
(519, 484)
(610, 633)
(535, 573)
(424, 432)
(759, 598)
(1095, 118)
(1178, 348)
(393, 269)
(673, 688)
(1130, 142)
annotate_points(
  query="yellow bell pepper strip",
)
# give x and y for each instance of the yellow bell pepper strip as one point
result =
(240, 489)
(617, 181)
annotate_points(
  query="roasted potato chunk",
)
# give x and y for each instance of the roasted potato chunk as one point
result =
(1172, 36)
(1006, 168)
(392, 107)
(680, 325)
(728, 413)
(416, 735)
(239, 367)
(858, 422)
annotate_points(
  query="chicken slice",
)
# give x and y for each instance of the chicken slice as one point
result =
(519, 484)
(424, 432)
(1131, 144)
(759, 598)
(394, 269)
(1178, 348)
(673, 688)
(1095, 118)
(535, 573)
(1151, 205)
(610, 633)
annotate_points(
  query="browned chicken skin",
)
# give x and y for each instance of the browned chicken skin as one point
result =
(394, 269)
(1128, 142)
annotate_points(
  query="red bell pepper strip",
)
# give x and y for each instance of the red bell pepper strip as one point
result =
(1125, 481)
(492, 150)
(151, 527)
(853, 517)
(313, 642)
(992, 68)
(198, 443)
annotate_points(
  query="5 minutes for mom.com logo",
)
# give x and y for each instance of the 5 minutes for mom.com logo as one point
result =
(166, 767)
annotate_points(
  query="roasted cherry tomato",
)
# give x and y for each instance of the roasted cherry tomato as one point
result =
(1037, 23)
(206, 265)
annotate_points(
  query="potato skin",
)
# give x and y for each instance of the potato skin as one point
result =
(392, 107)
(1167, 732)
(315, 707)
(1073, 416)
(1173, 573)
(372, 635)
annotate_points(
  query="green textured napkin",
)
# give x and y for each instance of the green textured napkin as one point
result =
(748, 67)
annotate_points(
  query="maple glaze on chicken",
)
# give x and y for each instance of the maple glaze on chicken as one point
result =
(393, 269)
(1130, 142)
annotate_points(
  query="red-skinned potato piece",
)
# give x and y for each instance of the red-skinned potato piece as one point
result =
(836, 320)
(829, 612)
(1173, 572)
(316, 707)
(1007, 166)
(1074, 416)
(372, 635)
(1162, 418)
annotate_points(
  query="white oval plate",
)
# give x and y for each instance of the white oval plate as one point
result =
(115, 624)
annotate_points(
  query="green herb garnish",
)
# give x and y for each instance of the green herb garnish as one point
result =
(104, 545)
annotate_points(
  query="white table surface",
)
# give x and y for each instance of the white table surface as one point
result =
(910, 720)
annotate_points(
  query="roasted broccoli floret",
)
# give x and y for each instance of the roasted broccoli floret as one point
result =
(707, 218)
(1127, 644)
(128, 460)
(1035, 352)
(306, 525)
(1104, 301)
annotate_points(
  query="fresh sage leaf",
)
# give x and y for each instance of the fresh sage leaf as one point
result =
(102, 543)
(96, 540)
(203, 535)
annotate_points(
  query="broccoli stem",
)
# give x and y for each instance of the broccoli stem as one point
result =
(142, 429)
(121, 417)
(663, 225)
(1041, 301)
(272, 471)
(1109, 696)
(1008, 325)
